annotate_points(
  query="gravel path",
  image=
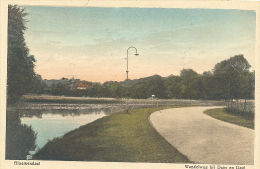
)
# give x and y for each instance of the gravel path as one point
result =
(204, 139)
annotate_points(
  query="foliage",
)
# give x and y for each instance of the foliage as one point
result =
(20, 138)
(37, 85)
(245, 114)
(247, 85)
(173, 87)
(130, 82)
(190, 85)
(100, 91)
(233, 76)
(117, 90)
(211, 88)
(60, 89)
(230, 79)
(139, 91)
(20, 64)
(156, 87)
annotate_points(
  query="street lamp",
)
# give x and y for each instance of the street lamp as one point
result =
(136, 54)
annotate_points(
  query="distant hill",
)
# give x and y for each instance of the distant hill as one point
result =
(54, 82)
(134, 81)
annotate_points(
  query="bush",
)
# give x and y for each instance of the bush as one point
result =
(235, 111)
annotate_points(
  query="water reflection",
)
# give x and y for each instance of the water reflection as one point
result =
(30, 129)
(30, 113)
(20, 138)
(51, 123)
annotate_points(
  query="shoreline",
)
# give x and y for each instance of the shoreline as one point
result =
(32, 101)
(43, 101)
(120, 137)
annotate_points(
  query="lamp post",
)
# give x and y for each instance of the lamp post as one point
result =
(136, 54)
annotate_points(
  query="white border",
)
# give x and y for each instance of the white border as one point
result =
(245, 5)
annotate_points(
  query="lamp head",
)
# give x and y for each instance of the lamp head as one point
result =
(136, 54)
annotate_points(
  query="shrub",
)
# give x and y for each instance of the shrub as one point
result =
(235, 111)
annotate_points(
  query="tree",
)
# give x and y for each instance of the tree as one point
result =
(37, 85)
(210, 88)
(231, 75)
(60, 89)
(190, 84)
(117, 90)
(99, 90)
(139, 91)
(103, 91)
(173, 87)
(238, 62)
(246, 88)
(20, 64)
(207, 74)
(156, 87)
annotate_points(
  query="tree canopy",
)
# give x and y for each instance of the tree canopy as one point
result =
(232, 75)
(230, 79)
(20, 64)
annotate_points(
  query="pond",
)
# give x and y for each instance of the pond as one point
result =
(51, 123)
(31, 126)
(55, 123)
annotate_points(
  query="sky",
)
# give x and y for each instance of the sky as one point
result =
(91, 43)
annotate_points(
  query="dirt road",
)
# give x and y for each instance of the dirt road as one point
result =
(204, 139)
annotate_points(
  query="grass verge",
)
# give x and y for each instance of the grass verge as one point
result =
(120, 137)
(220, 114)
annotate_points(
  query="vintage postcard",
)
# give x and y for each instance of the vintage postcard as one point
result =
(132, 84)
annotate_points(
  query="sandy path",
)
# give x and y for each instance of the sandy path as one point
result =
(204, 139)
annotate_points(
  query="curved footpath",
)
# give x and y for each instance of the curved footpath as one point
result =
(203, 139)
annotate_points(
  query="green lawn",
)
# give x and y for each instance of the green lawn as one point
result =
(235, 119)
(120, 137)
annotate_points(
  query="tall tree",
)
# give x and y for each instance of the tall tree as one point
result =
(190, 84)
(20, 65)
(173, 87)
(246, 87)
(139, 91)
(232, 77)
(37, 85)
(117, 90)
(156, 87)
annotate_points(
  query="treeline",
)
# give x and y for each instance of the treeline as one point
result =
(230, 79)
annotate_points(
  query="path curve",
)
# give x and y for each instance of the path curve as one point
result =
(203, 139)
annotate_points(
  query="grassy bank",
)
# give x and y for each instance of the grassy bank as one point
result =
(231, 118)
(120, 137)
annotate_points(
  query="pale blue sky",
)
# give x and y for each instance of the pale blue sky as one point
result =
(90, 43)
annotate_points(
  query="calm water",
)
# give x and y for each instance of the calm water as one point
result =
(55, 123)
